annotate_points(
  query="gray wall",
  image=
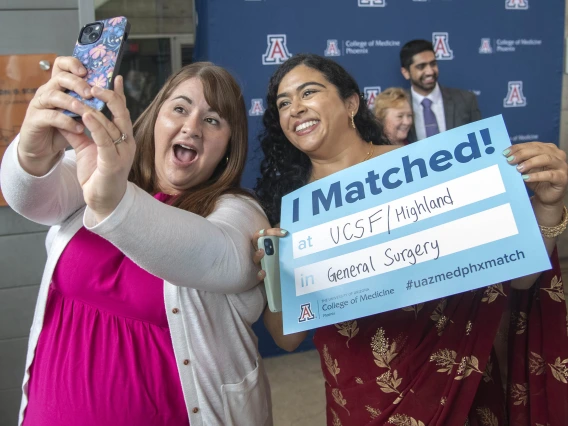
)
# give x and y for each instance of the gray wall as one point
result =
(26, 26)
(151, 16)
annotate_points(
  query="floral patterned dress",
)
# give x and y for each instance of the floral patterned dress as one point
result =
(436, 363)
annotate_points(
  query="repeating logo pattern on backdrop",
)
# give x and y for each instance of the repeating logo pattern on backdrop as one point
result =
(515, 96)
(362, 48)
(442, 50)
(277, 50)
(370, 93)
(485, 47)
(332, 48)
(371, 3)
(517, 4)
(256, 108)
(508, 45)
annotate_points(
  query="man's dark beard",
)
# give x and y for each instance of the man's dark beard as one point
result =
(419, 84)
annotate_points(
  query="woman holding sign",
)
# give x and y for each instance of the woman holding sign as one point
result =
(431, 363)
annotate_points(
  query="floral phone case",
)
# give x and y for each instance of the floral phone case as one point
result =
(102, 57)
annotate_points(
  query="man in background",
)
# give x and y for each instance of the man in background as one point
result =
(436, 108)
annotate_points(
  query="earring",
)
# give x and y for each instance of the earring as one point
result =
(353, 119)
(226, 159)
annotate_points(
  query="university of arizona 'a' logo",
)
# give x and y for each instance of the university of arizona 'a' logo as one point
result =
(306, 313)
(485, 46)
(277, 51)
(256, 108)
(517, 4)
(370, 94)
(515, 97)
(332, 48)
(441, 42)
(371, 3)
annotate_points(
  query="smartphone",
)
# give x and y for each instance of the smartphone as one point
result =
(100, 47)
(271, 265)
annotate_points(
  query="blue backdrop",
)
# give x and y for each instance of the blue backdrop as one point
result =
(508, 52)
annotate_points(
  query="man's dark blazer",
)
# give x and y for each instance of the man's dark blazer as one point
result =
(460, 107)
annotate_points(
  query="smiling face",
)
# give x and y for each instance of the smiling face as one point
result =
(311, 111)
(190, 139)
(423, 72)
(397, 122)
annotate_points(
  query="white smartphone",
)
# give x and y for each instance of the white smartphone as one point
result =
(271, 265)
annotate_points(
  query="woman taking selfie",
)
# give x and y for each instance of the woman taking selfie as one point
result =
(146, 304)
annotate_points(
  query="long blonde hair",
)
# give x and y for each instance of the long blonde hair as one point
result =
(224, 95)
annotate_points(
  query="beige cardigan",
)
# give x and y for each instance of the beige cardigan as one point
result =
(210, 286)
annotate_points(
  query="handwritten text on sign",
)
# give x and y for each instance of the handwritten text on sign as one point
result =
(449, 206)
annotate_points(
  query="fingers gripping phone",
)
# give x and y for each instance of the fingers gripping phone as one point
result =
(271, 265)
(100, 47)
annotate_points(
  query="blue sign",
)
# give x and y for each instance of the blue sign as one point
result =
(442, 216)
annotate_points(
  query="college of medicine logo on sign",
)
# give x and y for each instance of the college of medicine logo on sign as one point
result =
(515, 97)
(485, 47)
(306, 313)
(517, 4)
(256, 108)
(442, 46)
(332, 48)
(371, 3)
(277, 51)
(370, 94)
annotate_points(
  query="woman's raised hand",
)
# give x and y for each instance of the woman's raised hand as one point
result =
(104, 162)
(102, 165)
(41, 136)
(544, 169)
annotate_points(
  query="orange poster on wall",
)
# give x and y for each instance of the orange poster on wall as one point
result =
(20, 77)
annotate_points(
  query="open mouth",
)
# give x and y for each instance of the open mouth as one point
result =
(184, 154)
(306, 127)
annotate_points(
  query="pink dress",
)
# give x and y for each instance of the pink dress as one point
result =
(104, 355)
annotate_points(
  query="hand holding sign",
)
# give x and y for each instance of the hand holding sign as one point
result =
(544, 169)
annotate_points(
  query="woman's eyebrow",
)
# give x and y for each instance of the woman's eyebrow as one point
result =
(189, 101)
(185, 98)
(300, 87)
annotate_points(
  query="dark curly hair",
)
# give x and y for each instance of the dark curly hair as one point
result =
(285, 168)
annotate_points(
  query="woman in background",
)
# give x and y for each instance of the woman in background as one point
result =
(394, 113)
